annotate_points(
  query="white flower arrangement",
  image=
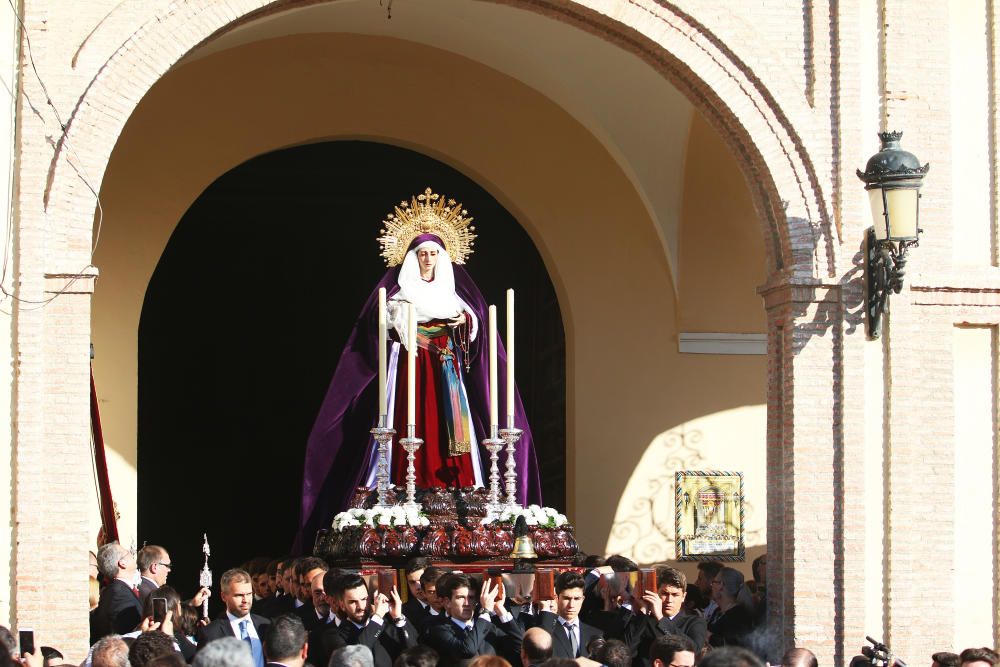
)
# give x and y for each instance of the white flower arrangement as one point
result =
(397, 515)
(534, 515)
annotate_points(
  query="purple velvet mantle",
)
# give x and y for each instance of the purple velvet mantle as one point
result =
(340, 444)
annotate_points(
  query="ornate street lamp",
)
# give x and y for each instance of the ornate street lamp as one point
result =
(892, 178)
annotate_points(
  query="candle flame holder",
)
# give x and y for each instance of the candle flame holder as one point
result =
(493, 445)
(511, 435)
(411, 444)
(383, 436)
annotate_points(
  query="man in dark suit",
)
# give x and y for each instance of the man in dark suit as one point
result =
(308, 570)
(666, 610)
(237, 594)
(118, 610)
(459, 636)
(415, 606)
(386, 631)
(286, 644)
(281, 601)
(154, 566)
(428, 607)
(325, 638)
(570, 635)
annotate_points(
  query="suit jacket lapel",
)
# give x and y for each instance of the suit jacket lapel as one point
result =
(559, 636)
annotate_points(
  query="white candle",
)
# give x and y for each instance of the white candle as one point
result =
(411, 375)
(383, 407)
(493, 365)
(510, 358)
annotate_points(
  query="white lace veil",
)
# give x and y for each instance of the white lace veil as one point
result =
(435, 300)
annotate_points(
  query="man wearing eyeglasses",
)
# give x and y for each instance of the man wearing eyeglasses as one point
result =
(154, 566)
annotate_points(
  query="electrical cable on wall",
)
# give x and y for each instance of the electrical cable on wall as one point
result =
(63, 140)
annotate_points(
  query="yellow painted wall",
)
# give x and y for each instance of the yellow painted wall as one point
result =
(712, 408)
(593, 232)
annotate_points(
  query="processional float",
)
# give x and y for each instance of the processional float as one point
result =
(467, 524)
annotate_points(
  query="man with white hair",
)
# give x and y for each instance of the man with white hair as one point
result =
(355, 655)
(224, 652)
(112, 651)
(118, 610)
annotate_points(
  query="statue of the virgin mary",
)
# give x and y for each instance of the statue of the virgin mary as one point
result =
(425, 242)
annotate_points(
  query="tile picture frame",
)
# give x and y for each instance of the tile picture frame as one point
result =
(709, 517)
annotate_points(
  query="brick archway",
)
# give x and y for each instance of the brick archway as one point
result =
(773, 152)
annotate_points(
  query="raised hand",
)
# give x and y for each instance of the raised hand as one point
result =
(395, 604)
(654, 603)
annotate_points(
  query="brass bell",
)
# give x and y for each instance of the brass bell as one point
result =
(524, 548)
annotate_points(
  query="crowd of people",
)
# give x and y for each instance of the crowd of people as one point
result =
(299, 611)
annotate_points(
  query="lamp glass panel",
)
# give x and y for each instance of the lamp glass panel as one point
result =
(902, 204)
(878, 219)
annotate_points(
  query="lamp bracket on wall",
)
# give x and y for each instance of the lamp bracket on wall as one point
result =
(885, 262)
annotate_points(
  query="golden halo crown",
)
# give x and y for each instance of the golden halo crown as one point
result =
(428, 213)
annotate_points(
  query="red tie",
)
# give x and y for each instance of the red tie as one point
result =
(135, 592)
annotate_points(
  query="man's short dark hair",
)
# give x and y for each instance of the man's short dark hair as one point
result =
(285, 638)
(569, 579)
(620, 563)
(730, 656)
(799, 657)
(710, 568)
(52, 656)
(418, 563)
(983, 654)
(345, 582)
(665, 646)
(614, 653)
(671, 576)
(946, 659)
(417, 656)
(431, 574)
(147, 646)
(451, 582)
(308, 564)
(560, 662)
(330, 579)
(174, 659)
(110, 651)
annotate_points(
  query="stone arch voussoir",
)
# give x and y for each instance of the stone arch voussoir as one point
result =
(773, 152)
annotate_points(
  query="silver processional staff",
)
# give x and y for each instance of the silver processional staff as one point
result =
(205, 580)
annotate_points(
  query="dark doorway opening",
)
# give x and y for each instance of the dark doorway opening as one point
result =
(245, 318)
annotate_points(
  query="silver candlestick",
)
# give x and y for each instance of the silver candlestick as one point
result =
(411, 444)
(493, 445)
(383, 436)
(511, 435)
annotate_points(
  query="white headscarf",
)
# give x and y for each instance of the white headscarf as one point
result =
(434, 300)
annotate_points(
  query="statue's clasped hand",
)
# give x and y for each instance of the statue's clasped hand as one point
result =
(457, 321)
